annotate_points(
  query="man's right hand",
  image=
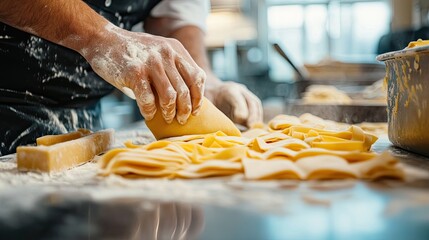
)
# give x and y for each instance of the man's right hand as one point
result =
(152, 67)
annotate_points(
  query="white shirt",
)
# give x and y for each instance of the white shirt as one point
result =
(185, 12)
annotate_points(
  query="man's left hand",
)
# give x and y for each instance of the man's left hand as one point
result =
(235, 100)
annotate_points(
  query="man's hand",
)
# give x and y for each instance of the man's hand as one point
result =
(235, 100)
(152, 67)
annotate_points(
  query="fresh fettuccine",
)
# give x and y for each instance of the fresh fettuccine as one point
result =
(287, 148)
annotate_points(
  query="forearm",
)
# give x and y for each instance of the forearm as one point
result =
(70, 23)
(144, 66)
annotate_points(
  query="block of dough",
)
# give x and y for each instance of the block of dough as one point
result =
(63, 155)
(209, 120)
(49, 140)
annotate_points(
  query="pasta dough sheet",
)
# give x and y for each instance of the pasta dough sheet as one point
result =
(288, 147)
(209, 120)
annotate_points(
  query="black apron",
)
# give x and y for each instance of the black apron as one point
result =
(49, 89)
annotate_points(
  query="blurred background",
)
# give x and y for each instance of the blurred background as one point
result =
(331, 42)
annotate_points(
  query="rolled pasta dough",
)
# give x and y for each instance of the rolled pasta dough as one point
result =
(209, 120)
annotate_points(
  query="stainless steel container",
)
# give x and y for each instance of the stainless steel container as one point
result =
(407, 76)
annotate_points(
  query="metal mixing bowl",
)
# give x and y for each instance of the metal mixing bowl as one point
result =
(407, 76)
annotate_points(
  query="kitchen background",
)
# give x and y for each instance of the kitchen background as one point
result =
(327, 39)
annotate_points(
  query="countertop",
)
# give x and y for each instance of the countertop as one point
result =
(81, 205)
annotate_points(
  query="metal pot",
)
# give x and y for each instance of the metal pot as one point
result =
(407, 76)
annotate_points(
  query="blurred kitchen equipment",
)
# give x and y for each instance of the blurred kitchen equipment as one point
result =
(330, 72)
(408, 100)
(301, 82)
(282, 53)
(356, 112)
(335, 73)
(345, 72)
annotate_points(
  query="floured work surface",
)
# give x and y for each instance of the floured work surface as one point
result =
(288, 148)
(228, 190)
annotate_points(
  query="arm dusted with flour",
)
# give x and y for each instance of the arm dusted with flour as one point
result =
(139, 61)
(54, 20)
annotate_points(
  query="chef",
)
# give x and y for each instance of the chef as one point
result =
(58, 58)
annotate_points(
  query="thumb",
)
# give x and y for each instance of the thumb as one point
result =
(238, 103)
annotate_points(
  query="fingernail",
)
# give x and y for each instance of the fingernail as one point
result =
(168, 121)
(182, 119)
(168, 118)
(150, 116)
(196, 110)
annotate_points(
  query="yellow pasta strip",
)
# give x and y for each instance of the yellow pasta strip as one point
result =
(326, 167)
(350, 156)
(360, 135)
(253, 133)
(130, 144)
(298, 135)
(107, 157)
(307, 129)
(343, 146)
(147, 161)
(213, 141)
(215, 165)
(283, 121)
(157, 144)
(230, 154)
(185, 138)
(209, 173)
(235, 140)
(255, 155)
(286, 152)
(294, 144)
(380, 166)
(147, 172)
(278, 169)
(274, 137)
(147, 164)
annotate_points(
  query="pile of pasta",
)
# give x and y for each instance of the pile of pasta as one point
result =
(289, 147)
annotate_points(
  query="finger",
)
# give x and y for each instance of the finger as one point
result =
(238, 103)
(183, 101)
(145, 98)
(166, 94)
(255, 108)
(194, 77)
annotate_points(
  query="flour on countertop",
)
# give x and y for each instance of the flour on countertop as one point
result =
(219, 191)
(271, 196)
(85, 179)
